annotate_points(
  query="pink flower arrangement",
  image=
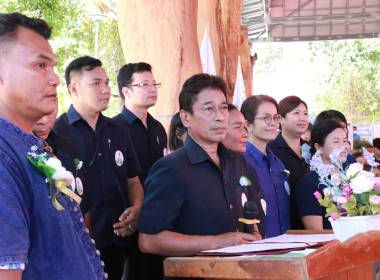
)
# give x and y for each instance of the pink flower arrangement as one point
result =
(348, 192)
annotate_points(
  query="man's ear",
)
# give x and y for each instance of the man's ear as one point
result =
(73, 89)
(185, 118)
(125, 91)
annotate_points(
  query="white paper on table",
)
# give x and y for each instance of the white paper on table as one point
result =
(285, 241)
(306, 238)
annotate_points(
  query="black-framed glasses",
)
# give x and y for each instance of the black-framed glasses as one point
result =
(268, 118)
(146, 85)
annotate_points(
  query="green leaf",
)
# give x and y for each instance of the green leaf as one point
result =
(76, 163)
(364, 198)
(362, 209)
(43, 168)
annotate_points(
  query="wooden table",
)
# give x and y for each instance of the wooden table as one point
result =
(355, 259)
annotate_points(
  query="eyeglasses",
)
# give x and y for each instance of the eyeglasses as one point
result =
(146, 85)
(268, 118)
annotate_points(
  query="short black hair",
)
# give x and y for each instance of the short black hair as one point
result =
(309, 127)
(124, 77)
(330, 115)
(10, 23)
(231, 107)
(376, 143)
(251, 105)
(176, 129)
(194, 85)
(321, 130)
(86, 63)
(357, 154)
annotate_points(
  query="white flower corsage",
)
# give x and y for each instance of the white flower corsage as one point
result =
(244, 181)
(55, 174)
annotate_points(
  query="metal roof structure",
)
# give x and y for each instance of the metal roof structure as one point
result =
(309, 20)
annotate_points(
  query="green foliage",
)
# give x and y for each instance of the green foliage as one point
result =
(358, 144)
(74, 36)
(42, 167)
(351, 82)
(268, 56)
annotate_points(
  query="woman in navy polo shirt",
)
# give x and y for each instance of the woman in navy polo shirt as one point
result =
(263, 119)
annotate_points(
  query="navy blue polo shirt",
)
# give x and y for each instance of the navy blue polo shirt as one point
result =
(307, 204)
(275, 186)
(108, 161)
(350, 160)
(297, 167)
(150, 142)
(187, 193)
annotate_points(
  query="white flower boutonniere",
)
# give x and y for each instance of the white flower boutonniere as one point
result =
(55, 174)
(286, 172)
(305, 152)
(244, 181)
(78, 164)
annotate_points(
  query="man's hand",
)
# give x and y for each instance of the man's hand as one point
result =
(129, 220)
(233, 238)
(172, 244)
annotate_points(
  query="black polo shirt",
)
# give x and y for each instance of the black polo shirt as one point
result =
(187, 193)
(306, 202)
(150, 143)
(108, 161)
(297, 167)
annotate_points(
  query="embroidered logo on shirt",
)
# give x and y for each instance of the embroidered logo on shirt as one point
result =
(119, 158)
(243, 199)
(264, 205)
(79, 185)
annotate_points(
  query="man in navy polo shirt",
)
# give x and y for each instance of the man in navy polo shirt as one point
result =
(194, 196)
(36, 240)
(139, 91)
(111, 188)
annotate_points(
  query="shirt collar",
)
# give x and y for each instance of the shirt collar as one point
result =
(130, 117)
(197, 155)
(282, 143)
(73, 116)
(29, 137)
(257, 154)
(254, 152)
